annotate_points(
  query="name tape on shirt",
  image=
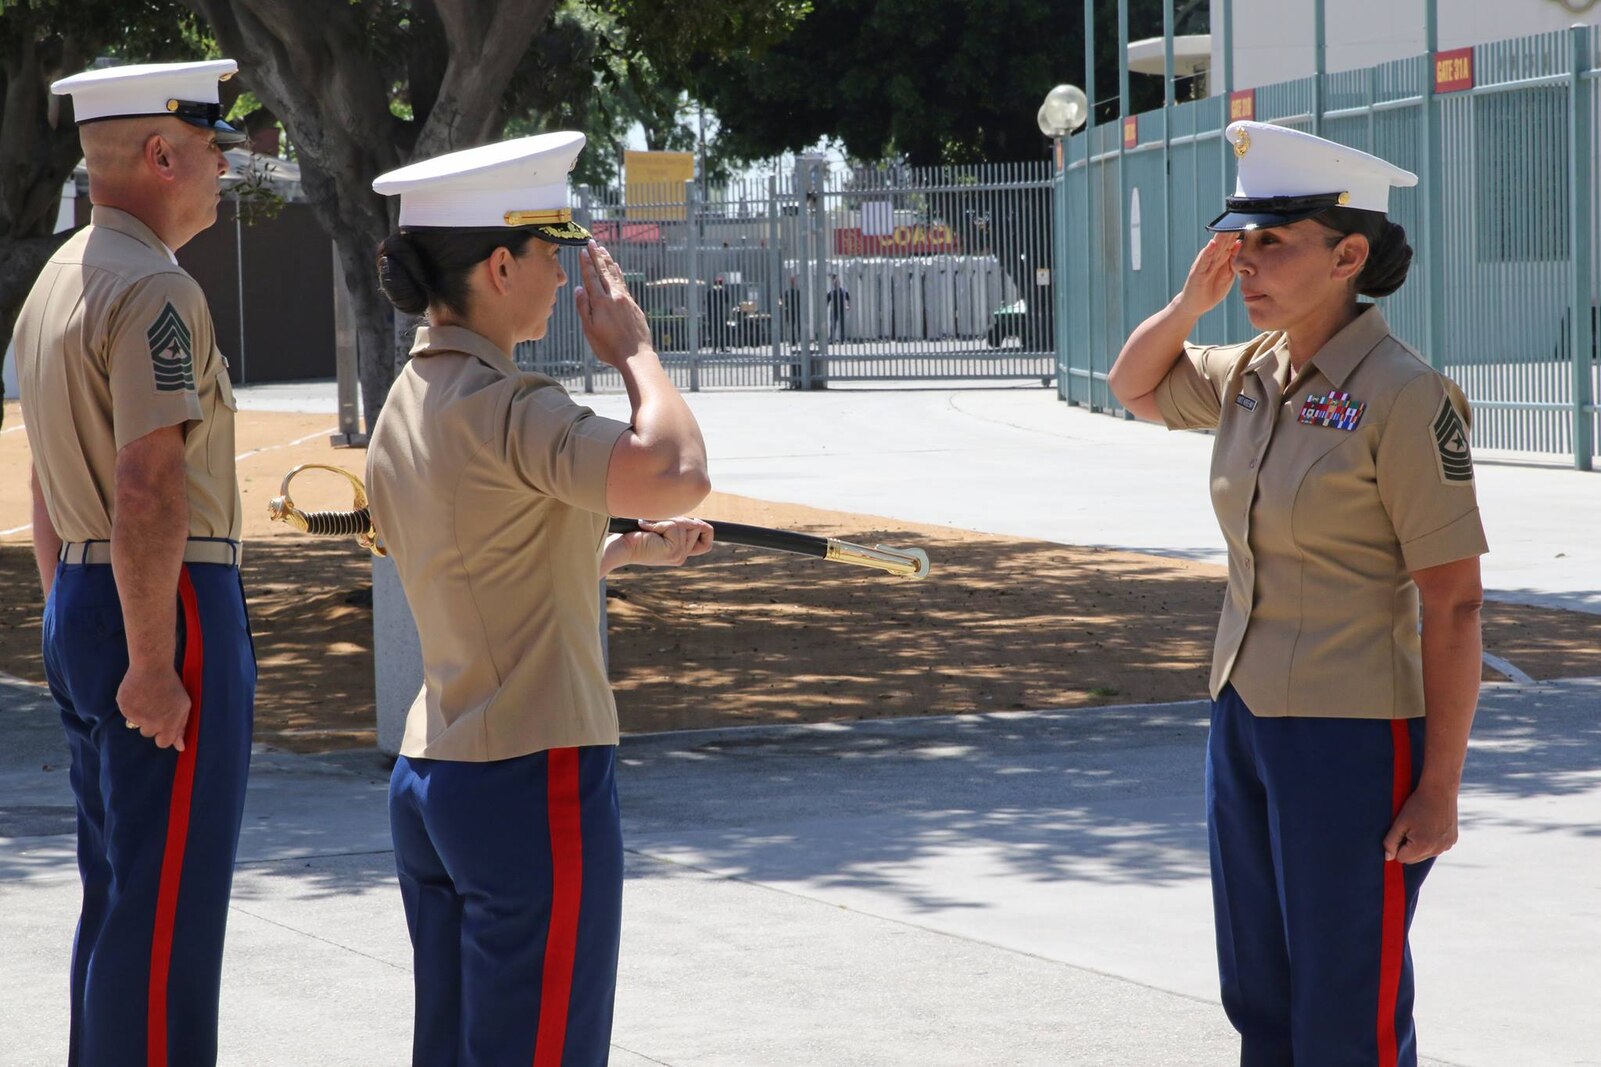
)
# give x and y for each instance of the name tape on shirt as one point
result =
(172, 352)
(1451, 444)
(1246, 402)
(1336, 409)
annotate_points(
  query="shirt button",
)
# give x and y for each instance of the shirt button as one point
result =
(1253, 464)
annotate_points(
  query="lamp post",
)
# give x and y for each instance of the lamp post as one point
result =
(1065, 109)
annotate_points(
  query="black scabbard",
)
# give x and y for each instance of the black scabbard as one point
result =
(734, 533)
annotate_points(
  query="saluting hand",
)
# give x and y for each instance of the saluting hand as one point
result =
(1211, 275)
(668, 543)
(154, 702)
(613, 323)
(1425, 826)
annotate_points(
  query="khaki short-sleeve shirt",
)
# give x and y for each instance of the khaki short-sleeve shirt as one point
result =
(1330, 491)
(114, 342)
(488, 487)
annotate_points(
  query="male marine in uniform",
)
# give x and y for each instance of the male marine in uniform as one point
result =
(136, 529)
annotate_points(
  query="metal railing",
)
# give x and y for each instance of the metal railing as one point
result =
(1502, 294)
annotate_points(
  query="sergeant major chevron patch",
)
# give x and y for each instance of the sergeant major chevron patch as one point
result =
(1451, 444)
(172, 352)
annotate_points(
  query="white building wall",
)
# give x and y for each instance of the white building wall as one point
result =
(1273, 39)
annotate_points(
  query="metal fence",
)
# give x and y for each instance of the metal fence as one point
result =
(1502, 294)
(819, 276)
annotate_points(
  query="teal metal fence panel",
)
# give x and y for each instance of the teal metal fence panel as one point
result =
(1589, 384)
(1513, 254)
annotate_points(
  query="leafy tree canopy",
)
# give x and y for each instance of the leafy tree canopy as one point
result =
(932, 81)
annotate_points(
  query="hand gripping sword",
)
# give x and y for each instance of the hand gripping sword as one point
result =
(357, 523)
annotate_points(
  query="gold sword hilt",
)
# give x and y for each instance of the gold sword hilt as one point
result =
(357, 522)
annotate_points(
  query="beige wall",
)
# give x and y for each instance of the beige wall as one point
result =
(1273, 38)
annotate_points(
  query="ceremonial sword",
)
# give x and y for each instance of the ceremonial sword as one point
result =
(357, 523)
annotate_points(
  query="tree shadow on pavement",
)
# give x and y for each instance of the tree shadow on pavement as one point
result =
(1104, 796)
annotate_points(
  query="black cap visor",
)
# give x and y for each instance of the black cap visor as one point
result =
(205, 116)
(1265, 212)
(227, 136)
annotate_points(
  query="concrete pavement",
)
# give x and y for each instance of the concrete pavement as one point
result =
(1016, 888)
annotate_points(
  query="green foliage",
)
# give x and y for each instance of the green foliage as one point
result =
(932, 81)
(597, 68)
(41, 40)
(257, 200)
(672, 31)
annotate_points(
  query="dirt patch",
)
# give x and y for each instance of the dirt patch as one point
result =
(741, 636)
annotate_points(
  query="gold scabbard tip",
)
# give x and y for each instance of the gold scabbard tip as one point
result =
(902, 562)
(918, 556)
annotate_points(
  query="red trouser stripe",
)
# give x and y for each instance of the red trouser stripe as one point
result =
(567, 887)
(1394, 945)
(183, 784)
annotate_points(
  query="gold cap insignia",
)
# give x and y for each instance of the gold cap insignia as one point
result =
(567, 231)
(539, 218)
(172, 105)
(1242, 143)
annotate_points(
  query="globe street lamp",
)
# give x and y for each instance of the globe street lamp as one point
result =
(1064, 110)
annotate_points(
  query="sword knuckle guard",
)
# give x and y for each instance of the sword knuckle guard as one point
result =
(357, 522)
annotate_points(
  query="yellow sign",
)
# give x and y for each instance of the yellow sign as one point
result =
(654, 183)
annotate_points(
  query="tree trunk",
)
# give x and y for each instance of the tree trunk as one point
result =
(20, 263)
(38, 149)
(311, 63)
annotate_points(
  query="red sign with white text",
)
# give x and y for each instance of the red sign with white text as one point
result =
(916, 240)
(1242, 105)
(1453, 70)
(1131, 131)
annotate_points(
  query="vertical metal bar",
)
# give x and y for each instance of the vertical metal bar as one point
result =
(239, 281)
(1372, 98)
(818, 204)
(1433, 192)
(1223, 155)
(1059, 241)
(692, 301)
(1169, 95)
(1124, 239)
(1122, 180)
(1580, 178)
(797, 226)
(1091, 308)
(1228, 47)
(1171, 99)
(344, 357)
(778, 310)
(1320, 65)
(1122, 59)
(586, 357)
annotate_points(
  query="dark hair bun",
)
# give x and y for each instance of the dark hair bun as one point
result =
(1389, 258)
(404, 274)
